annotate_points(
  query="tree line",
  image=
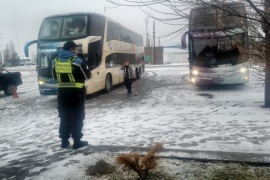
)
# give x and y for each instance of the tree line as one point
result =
(9, 56)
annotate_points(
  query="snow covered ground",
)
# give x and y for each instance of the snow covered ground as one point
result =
(225, 122)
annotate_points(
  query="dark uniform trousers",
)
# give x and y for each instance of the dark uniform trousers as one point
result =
(128, 83)
(71, 112)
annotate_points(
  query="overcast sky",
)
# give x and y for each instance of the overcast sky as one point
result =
(20, 19)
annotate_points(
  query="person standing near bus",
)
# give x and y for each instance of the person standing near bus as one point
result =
(70, 71)
(129, 76)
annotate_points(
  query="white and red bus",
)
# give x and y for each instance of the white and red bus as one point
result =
(218, 44)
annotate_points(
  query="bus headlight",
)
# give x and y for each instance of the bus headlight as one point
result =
(193, 80)
(195, 72)
(40, 82)
(242, 70)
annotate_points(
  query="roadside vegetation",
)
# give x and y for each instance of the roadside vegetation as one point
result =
(133, 166)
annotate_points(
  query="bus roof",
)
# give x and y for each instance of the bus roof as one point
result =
(85, 13)
(75, 14)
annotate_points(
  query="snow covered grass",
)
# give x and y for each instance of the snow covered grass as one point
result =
(168, 109)
(80, 167)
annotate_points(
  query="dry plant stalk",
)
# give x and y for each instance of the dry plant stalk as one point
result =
(140, 164)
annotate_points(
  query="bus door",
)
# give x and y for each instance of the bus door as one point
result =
(94, 59)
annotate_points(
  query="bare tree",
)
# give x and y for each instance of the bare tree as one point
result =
(6, 55)
(10, 55)
(1, 58)
(176, 13)
(33, 56)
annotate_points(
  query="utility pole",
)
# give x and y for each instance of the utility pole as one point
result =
(154, 43)
(267, 57)
(16, 34)
(146, 30)
(2, 52)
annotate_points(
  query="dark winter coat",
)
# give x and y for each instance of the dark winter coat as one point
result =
(128, 72)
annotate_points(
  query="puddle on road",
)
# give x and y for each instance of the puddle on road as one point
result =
(210, 96)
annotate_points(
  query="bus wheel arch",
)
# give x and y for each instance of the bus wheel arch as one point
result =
(108, 83)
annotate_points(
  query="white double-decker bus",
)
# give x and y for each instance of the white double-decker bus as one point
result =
(103, 43)
(218, 44)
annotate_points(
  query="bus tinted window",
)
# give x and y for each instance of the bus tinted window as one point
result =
(117, 59)
(63, 28)
(114, 31)
(74, 26)
(97, 25)
(45, 61)
(225, 50)
(50, 28)
(111, 60)
(119, 33)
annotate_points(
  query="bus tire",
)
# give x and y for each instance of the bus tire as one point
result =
(138, 76)
(108, 83)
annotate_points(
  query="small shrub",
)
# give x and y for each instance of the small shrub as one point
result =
(140, 164)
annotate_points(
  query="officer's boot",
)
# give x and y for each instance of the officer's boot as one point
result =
(65, 143)
(78, 143)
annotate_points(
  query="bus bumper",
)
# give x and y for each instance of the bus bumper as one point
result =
(47, 91)
(197, 80)
(47, 87)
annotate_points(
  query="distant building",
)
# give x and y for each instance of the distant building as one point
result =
(149, 53)
(165, 55)
(175, 56)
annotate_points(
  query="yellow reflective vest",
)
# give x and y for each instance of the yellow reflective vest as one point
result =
(66, 68)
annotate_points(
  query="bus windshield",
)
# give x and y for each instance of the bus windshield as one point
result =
(55, 28)
(45, 62)
(218, 51)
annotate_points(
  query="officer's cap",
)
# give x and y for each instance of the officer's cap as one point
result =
(69, 45)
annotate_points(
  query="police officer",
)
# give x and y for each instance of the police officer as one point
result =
(71, 72)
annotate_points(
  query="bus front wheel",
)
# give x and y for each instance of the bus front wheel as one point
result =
(108, 83)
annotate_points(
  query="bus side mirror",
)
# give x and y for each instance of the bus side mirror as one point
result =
(26, 47)
(183, 40)
(80, 55)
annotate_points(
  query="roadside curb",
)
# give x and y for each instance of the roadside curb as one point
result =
(252, 159)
